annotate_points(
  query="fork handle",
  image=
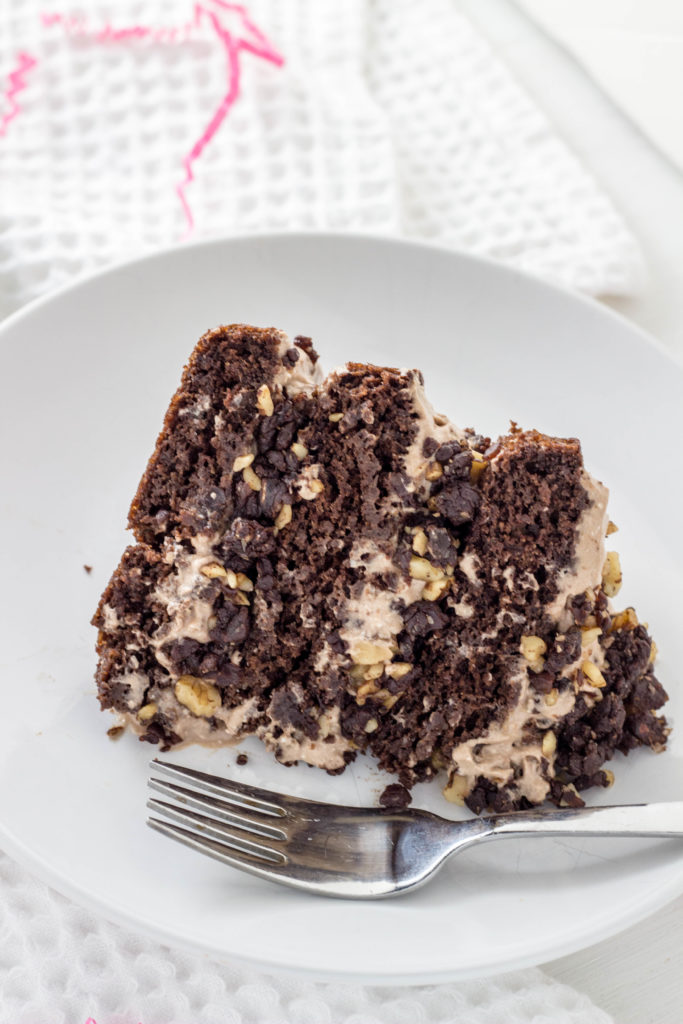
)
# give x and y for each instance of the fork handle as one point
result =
(664, 819)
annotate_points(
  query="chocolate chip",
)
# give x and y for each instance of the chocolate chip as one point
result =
(457, 502)
(395, 797)
(445, 452)
(422, 618)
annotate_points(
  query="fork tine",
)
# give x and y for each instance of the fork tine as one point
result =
(239, 859)
(235, 792)
(217, 808)
(212, 829)
(263, 801)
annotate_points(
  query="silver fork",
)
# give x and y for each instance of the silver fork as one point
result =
(357, 852)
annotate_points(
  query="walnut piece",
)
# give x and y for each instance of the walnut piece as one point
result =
(198, 696)
(422, 569)
(147, 711)
(241, 462)
(611, 574)
(456, 790)
(420, 542)
(264, 400)
(367, 653)
(214, 571)
(532, 649)
(549, 744)
(284, 517)
(593, 674)
(434, 471)
(251, 478)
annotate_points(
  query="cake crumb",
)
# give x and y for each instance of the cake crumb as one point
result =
(242, 759)
(115, 731)
(88, 568)
(395, 797)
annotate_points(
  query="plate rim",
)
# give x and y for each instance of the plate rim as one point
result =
(14, 847)
(560, 948)
(313, 234)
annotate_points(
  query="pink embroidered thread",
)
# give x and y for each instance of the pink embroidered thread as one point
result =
(233, 46)
(91, 1020)
(249, 39)
(75, 25)
(16, 81)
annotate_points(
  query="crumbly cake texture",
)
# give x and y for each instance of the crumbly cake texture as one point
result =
(331, 566)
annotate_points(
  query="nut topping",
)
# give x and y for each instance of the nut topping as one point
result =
(243, 582)
(374, 671)
(284, 517)
(366, 690)
(456, 790)
(366, 653)
(420, 541)
(479, 464)
(214, 571)
(398, 669)
(147, 711)
(241, 462)
(624, 620)
(533, 648)
(436, 589)
(198, 696)
(421, 569)
(251, 478)
(611, 574)
(549, 744)
(593, 674)
(264, 400)
(589, 636)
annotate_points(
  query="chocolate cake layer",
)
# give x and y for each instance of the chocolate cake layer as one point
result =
(330, 565)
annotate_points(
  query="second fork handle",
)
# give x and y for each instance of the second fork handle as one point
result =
(665, 819)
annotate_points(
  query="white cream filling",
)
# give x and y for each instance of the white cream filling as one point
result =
(304, 481)
(414, 462)
(195, 729)
(292, 746)
(502, 749)
(374, 614)
(302, 377)
(179, 593)
(585, 573)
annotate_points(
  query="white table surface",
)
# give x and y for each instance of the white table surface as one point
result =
(636, 976)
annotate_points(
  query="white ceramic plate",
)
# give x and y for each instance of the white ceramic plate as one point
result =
(85, 378)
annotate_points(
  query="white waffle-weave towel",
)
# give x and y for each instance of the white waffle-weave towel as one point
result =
(387, 116)
(130, 126)
(61, 965)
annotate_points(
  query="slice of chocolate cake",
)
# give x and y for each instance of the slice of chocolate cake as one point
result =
(331, 566)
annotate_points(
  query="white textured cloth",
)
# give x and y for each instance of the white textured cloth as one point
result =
(138, 125)
(61, 965)
(388, 117)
